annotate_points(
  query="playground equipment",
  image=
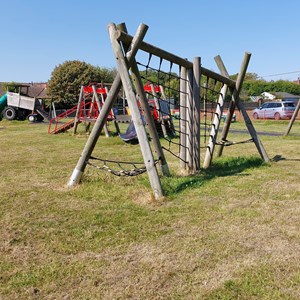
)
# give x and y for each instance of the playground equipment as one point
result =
(86, 111)
(3, 102)
(130, 136)
(160, 111)
(201, 94)
(16, 106)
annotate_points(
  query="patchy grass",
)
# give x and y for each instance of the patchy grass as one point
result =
(231, 232)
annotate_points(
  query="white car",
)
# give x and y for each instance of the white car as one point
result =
(275, 110)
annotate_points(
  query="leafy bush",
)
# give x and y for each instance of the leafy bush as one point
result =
(67, 78)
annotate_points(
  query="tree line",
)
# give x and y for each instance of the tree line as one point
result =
(67, 78)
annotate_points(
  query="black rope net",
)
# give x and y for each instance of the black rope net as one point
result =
(118, 168)
(162, 82)
(163, 85)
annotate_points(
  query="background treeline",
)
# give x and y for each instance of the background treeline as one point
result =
(67, 78)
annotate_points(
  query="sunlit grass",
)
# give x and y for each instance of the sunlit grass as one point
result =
(229, 232)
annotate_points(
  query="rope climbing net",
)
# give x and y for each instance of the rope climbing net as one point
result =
(125, 168)
(165, 89)
(162, 86)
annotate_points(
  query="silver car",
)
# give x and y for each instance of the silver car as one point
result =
(275, 110)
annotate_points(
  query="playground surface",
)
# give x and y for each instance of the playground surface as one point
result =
(228, 233)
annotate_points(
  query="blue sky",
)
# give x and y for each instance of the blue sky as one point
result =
(37, 35)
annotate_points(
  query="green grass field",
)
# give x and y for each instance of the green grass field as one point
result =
(231, 232)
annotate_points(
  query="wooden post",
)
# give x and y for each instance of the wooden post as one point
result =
(78, 110)
(293, 119)
(106, 132)
(112, 112)
(189, 118)
(235, 101)
(165, 99)
(135, 112)
(232, 104)
(216, 124)
(215, 128)
(158, 109)
(94, 136)
(136, 78)
(183, 118)
(196, 117)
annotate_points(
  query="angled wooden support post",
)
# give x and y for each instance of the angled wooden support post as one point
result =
(141, 95)
(101, 120)
(293, 118)
(196, 117)
(123, 70)
(216, 123)
(236, 102)
(235, 93)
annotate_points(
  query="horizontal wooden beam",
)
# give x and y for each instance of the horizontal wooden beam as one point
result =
(126, 38)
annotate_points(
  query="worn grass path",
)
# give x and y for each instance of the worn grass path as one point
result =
(228, 233)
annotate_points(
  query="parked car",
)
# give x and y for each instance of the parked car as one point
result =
(275, 110)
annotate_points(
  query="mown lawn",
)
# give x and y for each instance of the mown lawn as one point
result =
(231, 232)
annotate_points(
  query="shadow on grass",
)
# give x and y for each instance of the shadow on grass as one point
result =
(223, 167)
(277, 158)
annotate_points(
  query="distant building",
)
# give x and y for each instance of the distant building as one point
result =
(267, 96)
(297, 81)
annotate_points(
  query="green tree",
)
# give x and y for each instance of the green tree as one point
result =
(67, 78)
(10, 86)
(256, 87)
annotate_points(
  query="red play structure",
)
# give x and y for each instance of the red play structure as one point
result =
(91, 99)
